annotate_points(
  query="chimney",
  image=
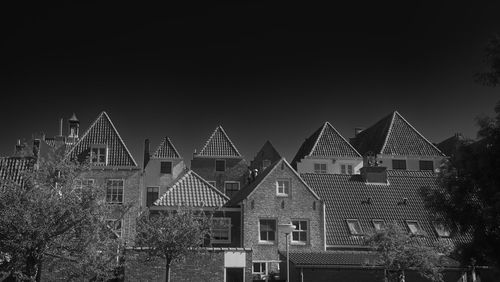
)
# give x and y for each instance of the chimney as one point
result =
(20, 149)
(146, 153)
(357, 130)
(60, 137)
(374, 174)
(61, 127)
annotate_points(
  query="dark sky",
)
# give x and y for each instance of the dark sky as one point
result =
(262, 71)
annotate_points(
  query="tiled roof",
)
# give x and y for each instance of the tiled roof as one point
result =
(325, 142)
(103, 132)
(219, 145)
(346, 197)
(450, 145)
(166, 150)
(393, 135)
(11, 168)
(247, 190)
(344, 258)
(193, 191)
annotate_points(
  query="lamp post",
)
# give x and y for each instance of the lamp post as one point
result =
(287, 229)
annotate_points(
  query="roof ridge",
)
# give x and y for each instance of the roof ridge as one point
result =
(389, 130)
(317, 138)
(418, 132)
(84, 134)
(167, 140)
(338, 133)
(219, 127)
(119, 137)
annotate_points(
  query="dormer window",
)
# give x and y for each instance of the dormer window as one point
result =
(345, 169)
(441, 230)
(354, 227)
(378, 224)
(99, 154)
(319, 168)
(220, 165)
(414, 227)
(282, 188)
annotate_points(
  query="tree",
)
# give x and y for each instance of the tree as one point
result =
(172, 235)
(468, 197)
(492, 61)
(399, 251)
(47, 215)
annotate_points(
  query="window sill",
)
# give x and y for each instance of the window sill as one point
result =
(282, 195)
(266, 243)
(298, 243)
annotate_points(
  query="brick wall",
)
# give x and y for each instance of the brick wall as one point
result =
(236, 170)
(152, 177)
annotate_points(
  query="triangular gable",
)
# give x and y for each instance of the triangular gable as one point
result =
(248, 190)
(166, 150)
(103, 132)
(267, 152)
(219, 145)
(193, 191)
(393, 135)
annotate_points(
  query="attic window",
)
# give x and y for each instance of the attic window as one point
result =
(399, 164)
(346, 169)
(319, 168)
(220, 165)
(426, 165)
(282, 187)
(99, 154)
(414, 227)
(378, 224)
(441, 230)
(354, 226)
(166, 167)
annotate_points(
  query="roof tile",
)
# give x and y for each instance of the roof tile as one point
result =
(219, 145)
(166, 150)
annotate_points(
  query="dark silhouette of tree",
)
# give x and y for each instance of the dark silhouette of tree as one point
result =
(48, 216)
(172, 235)
(491, 77)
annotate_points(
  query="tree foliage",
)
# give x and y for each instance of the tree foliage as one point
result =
(399, 251)
(48, 216)
(491, 77)
(172, 235)
(468, 199)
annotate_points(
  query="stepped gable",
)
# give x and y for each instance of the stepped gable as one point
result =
(346, 197)
(393, 135)
(325, 142)
(102, 131)
(192, 190)
(219, 145)
(166, 150)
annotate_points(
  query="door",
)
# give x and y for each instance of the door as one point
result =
(234, 274)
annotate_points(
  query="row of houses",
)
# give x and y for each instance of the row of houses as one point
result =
(334, 192)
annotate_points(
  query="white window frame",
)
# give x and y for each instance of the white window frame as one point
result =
(262, 272)
(300, 231)
(284, 191)
(320, 168)
(381, 222)
(225, 227)
(98, 147)
(123, 192)
(232, 182)
(441, 230)
(352, 229)
(347, 169)
(117, 232)
(410, 223)
(147, 192)
(275, 231)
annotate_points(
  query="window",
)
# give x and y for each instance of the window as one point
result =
(98, 155)
(221, 230)
(426, 165)
(166, 167)
(220, 165)
(299, 235)
(114, 191)
(399, 164)
(267, 229)
(231, 187)
(413, 226)
(116, 226)
(354, 227)
(378, 224)
(259, 268)
(282, 187)
(319, 168)
(212, 183)
(441, 230)
(82, 183)
(265, 164)
(153, 193)
(346, 169)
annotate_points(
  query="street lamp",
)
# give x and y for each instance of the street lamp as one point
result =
(287, 229)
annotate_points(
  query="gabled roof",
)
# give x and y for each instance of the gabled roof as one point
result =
(12, 168)
(103, 132)
(393, 135)
(267, 152)
(193, 191)
(219, 145)
(248, 190)
(166, 150)
(450, 145)
(346, 197)
(325, 142)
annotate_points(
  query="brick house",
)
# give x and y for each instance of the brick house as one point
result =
(223, 259)
(266, 156)
(278, 195)
(395, 144)
(326, 151)
(160, 170)
(220, 163)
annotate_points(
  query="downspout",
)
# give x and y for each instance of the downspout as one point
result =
(301, 274)
(324, 226)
